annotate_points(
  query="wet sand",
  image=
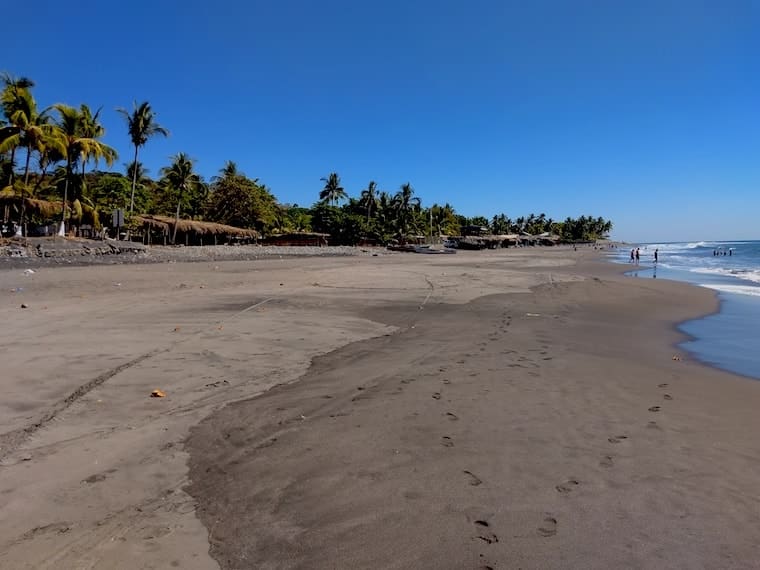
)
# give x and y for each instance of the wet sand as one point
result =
(508, 409)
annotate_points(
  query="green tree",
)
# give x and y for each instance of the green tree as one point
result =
(500, 224)
(444, 220)
(404, 205)
(28, 128)
(109, 191)
(239, 201)
(369, 198)
(141, 126)
(69, 138)
(299, 218)
(91, 129)
(136, 171)
(14, 99)
(180, 180)
(333, 192)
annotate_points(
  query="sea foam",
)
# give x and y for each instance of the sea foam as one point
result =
(736, 289)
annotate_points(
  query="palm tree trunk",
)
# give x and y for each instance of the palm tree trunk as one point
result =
(176, 220)
(26, 181)
(66, 191)
(41, 179)
(26, 166)
(13, 163)
(134, 183)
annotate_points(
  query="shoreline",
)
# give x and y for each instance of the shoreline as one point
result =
(258, 456)
(723, 301)
(535, 402)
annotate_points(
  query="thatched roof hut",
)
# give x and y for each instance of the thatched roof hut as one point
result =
(42, 208)
(490, 241)
(192, 232)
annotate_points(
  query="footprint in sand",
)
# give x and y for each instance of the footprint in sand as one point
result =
(474, 479)
(408, 380)
(617, 438)
(446, 381)
(436, 395)
(567, 486)
(452, 416)
(446, 441)
(606, 461)
(655, 409)
(667, 397)
(486, 535)
(268, 443)
(663, 385)
(653, 425)
(549, 528)
(95, 478)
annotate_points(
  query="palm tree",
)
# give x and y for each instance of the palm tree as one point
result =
(229, 170)
(91, 128)
(180, 178)
(136, 171)
(369, 198)
(67, 136)
(333, 192)
(384, 211)
(141, 125)
(50, 152)
(13, 98)
(404, 203)
(70, 137)
(28, 129)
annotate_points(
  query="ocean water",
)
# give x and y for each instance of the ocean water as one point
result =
(729, 339)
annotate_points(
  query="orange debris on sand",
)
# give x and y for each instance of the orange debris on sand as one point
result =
(158, 394)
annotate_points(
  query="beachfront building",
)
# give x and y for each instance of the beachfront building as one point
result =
(161, 230)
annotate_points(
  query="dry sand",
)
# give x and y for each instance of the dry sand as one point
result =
(510, 409)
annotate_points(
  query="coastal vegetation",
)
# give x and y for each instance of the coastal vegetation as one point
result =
(49, 171)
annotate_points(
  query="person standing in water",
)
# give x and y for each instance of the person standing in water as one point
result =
(655, 255)
(632, 255)
(638, 256)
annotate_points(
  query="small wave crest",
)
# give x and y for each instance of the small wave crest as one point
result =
(744, 274)
(737, 289)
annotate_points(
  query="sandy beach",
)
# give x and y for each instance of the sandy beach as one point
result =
(498, 409)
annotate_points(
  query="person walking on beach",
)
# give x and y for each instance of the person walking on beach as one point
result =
(655, 255)
(638, 256)
(632, 254)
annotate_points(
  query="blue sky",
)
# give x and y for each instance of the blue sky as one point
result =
(644, 112)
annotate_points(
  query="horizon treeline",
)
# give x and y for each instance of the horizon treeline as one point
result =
(49, 172)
